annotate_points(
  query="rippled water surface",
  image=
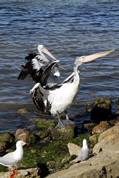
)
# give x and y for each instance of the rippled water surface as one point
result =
(69, 28)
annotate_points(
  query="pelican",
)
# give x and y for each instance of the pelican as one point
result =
(38, 65)
(58, 99)
(10, 159)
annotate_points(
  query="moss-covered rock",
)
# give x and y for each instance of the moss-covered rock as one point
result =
(62, 134)
(45, 126)
(101, 110)
(93, 140)
(47, 129)
(53, 156)
(22, 111)
(6, 140)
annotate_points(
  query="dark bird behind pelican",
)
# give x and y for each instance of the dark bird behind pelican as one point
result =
(40, 66)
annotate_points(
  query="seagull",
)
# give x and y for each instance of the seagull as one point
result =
(10, 159)
(58, 99)
(83, 153)
(38, 66)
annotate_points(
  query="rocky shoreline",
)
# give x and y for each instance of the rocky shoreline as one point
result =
(47, 152)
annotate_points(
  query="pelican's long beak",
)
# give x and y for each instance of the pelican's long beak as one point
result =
(45, 50)
(92, 57)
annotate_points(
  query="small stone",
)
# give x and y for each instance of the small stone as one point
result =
(22, 134)
(104, 125)
(89, 127)
(26, 136)
(22, 111)
(73, 149)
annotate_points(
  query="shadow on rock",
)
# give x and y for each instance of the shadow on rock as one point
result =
(42, 170)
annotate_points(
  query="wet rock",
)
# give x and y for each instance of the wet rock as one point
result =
(89, 127)
(101, 127)
(73, 149)
(44, 126)
(6, 140)
(101, 110)
(48, 130)
(22, 111)
(62, 134)
(26, 136)
(115, 121)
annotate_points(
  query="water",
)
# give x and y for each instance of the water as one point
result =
(69, 28)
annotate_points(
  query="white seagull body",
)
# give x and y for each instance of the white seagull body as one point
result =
(58, 99)
(83, 153)
(10, 159)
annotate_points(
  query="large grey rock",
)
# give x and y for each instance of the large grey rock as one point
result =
(73, 149)
(108, 140)
(105, 164)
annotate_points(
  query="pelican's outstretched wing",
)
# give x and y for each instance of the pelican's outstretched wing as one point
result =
(24, 71)
(46, 73)
(27, 68)
(39, 97)
(30, 56)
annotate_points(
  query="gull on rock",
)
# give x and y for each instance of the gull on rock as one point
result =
(83, 153)
(11, 159)
(40, 66)
(59, 98)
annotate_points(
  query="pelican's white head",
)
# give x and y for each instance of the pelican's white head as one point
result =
(20, 143)
(40, 47)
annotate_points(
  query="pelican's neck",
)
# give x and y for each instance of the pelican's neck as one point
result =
(76, 73)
